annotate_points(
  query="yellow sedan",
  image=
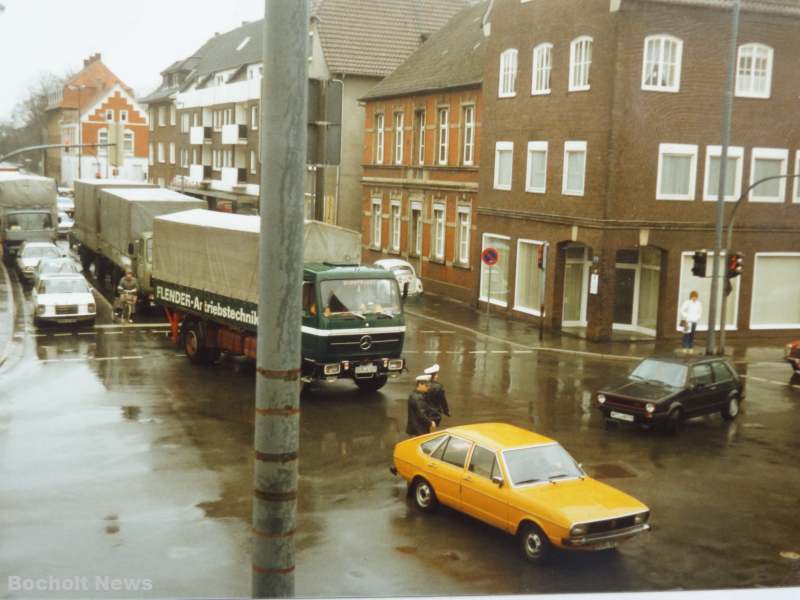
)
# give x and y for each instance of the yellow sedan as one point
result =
(520, 482)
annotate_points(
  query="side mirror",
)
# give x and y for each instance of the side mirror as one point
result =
(498, 480)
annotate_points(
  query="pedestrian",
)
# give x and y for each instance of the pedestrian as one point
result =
(421, 415)
(691, 310)
(436, 395)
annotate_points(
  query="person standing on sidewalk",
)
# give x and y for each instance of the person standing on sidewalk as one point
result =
(422, 415)
(691, 310)
(436, 395)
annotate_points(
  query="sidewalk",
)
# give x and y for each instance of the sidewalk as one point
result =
(6, 314)
(526, 335)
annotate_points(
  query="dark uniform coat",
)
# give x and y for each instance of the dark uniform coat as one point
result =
(420, 414)
(438, 400)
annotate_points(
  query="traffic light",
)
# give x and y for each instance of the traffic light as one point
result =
(735, 265)
(699, 263)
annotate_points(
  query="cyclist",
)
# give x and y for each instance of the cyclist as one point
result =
(128, 289)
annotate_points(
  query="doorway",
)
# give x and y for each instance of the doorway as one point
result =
(576, 284)
(636, 289)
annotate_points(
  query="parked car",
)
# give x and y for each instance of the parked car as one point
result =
(63, 298)
(792, 356)
(404, 273)
(66, 204)
(31, 253)
(665, 390)
(521, 482)
(50, 266)
(65, 223)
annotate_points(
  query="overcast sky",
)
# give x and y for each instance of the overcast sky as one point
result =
(137, 40)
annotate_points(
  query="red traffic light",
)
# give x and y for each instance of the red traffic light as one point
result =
(735, 265)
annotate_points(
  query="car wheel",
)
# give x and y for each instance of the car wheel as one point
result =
(534, 543)
(371, 385)
(674, 420)
(731, 410)
(424, 496)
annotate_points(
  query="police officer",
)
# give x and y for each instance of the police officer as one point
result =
(436, 394)
(422, 416)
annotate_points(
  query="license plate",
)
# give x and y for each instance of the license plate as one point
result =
(366, 369)
(605, 546)
(621, 416)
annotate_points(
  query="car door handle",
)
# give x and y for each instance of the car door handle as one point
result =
(431, 465)
(467, 478)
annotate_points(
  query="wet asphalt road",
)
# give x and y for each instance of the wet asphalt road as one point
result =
(118, 458)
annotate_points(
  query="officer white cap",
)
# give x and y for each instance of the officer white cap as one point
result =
(432, 370)
(423, 378)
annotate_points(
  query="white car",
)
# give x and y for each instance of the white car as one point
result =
(63, 298)
(404, 273)
(62, 265)
(65, 223)
(31, 253)
(66, 204)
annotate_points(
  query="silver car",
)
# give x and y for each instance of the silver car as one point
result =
(63, 298)
(31, 253)
(404, 272)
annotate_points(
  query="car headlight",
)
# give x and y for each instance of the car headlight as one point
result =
(601, 398)
(578, 530)
(91, 308)
(650, 407)
(641, 518)
(40, 309)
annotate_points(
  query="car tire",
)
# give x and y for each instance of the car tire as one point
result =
(424, 496)
(674, 421)
(372, 385)
(731, 410)
(533, 543)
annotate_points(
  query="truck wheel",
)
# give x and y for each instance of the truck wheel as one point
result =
(371, 385)
(194, 344)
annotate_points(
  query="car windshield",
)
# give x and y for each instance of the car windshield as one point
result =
(659, 371)
(360, 297)
(540, 463)
(29, 221)
(58, 265)
(71, 285)
(402, 270)
(41, 252)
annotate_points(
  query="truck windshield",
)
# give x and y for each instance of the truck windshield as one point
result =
(29, 221)
(360, 297)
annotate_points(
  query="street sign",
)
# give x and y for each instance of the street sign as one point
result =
(490, 256)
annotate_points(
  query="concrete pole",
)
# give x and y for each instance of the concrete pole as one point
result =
(723, 164)
(283, 144)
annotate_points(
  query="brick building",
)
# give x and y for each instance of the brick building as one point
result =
(216, 99)
(602, 122)
(94, 107)
(421, 157)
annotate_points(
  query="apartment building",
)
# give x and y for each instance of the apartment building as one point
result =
(217, 104)
(421, 157)
(602, 125)
(95, 107)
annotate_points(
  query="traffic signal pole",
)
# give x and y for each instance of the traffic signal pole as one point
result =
(723, 164)
(277, 413)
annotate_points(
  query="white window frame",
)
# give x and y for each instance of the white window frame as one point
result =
(756, 256)
(781, 154)
(443, 128)
(536, 312)
(396, 224)
(461, 254)
(542, 64)
(253, 162)
(438, 238)
(417, 231)
(507, 84)
(109, 115)
(161, 155)
(150, 154)
(123, 116)
(498, 148)
(661, 40)
(172, 153)
(102, 150)
(421, 148)
(536, 147)
(796, 195)
(399, 122)
(125, 134)
(580, 72)
(468, 150)
(745, 84)
(152, 120)
(574, 146)
(716, 152)
(681, 150)
(380, 132)
(162, 116)
(484, 245)
(376, 223)
(172, 114)
(185, 122)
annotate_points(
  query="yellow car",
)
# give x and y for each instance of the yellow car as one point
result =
(521, 482)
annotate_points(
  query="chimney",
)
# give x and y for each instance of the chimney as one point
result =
(93, 58)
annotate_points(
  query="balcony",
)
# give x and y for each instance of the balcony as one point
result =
(198, 135)
(233, 176)
(199, 172)
(234, 134)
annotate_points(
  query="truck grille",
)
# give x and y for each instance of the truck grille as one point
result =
(67, 309)
(364, 343)
(611, 525)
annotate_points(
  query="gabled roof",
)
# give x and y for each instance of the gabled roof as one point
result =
(781, 7)
(451, 58)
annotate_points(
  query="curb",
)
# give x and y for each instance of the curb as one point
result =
(10, 300)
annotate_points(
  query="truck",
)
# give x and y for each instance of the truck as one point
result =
(28, 210)
(205, 275)
(125, 219)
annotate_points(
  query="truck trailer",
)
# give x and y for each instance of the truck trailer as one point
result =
(205, 275)
(28, 210)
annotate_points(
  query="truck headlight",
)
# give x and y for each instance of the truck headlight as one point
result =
(395, 364)
(578, 530)
(332, 369)
(91, 308)
(40, 309)
(601, 398)
(641, 518)
(650, 407)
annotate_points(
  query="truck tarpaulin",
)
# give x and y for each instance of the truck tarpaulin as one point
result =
(19, 190)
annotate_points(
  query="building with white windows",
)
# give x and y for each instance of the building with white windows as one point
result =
(601, 126)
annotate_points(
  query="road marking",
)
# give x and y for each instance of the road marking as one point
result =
(522, 351)
(431, 352)
(454, 352)
(499, 351)
(112, 333)
(39, 335)
(86, 333)
(427, 331)
(52, 360)
(410, 351)
(61, 334)
(445, 332)
(131, 357)
(477, 351)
